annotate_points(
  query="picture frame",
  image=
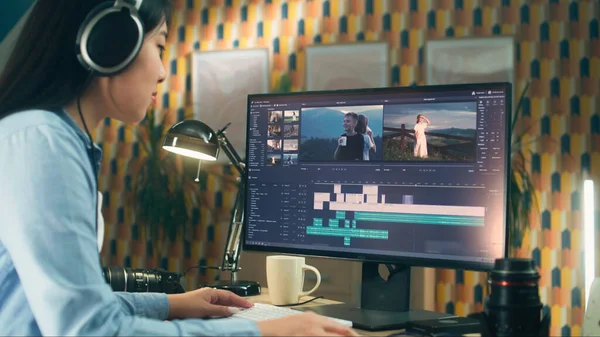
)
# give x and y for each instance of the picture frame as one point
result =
(470, 60)
(221, 81)
(347, 66)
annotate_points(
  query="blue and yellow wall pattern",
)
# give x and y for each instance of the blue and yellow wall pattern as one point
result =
(558, 52)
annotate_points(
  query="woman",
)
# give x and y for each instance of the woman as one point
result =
(420, 150)
(362, 127)
(51, 281)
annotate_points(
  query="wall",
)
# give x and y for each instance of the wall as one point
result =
(558, 51)
(10, 13)
(14, 14)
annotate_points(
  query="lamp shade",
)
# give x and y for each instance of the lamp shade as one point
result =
(192, 138)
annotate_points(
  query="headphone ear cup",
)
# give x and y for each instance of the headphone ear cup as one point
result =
(110, 39)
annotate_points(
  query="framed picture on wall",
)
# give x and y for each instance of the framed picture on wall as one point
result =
(221, 82)
(470, 60)
(347, 66)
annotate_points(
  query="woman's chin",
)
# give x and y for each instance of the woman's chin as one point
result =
(135, 118)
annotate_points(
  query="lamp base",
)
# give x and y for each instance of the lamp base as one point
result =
(240, 288)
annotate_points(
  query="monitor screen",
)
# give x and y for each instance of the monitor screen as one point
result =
(415, 175)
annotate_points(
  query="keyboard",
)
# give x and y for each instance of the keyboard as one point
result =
(261, 312)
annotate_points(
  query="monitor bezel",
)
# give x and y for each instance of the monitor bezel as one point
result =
(387, 259)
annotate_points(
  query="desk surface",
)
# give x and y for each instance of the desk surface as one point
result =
(264, 298)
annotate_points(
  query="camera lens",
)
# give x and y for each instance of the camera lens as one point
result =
(146, 281)
(142, 280)
(514, 305)
(132, 280)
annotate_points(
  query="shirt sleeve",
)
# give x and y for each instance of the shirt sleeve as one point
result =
(48, 209)
(151, 305)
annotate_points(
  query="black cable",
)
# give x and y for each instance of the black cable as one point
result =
(200, 267)
(85, 85)
(92, 155)
(301, 303)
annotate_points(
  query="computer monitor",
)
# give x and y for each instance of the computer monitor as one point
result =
(424, 182)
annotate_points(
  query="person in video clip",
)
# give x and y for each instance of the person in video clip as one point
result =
(274, 117)
(350, 144)
(362, 127)
(420, 150)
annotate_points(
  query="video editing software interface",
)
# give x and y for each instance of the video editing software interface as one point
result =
(391, 173)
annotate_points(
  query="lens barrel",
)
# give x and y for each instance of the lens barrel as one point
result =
(139, 280)
(514, 305)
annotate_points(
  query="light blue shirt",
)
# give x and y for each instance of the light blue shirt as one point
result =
(51, 279)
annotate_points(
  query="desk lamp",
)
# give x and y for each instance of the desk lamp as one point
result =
(195, 139)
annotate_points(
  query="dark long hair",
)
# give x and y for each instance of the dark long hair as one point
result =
(361, 126)
(42, 71)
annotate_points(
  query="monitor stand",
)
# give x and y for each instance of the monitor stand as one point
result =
(385, 304)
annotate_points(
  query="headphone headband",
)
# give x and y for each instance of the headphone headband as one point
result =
(137, 3)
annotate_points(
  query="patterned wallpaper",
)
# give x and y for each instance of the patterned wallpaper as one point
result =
(558, 50)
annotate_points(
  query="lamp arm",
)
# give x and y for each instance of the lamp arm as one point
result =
(233, 245)
(232, 154)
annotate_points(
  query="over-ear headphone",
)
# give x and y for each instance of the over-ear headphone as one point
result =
(110, 37)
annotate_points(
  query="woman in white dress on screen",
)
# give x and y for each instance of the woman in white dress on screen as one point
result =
(420, 150)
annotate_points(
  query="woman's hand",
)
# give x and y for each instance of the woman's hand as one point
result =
(306, 324)
(205, 302)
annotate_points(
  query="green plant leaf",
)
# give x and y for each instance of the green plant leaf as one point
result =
(522, 195)
(161, 196)
(285, 84)
(518, 110)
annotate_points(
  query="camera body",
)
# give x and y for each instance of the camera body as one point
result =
(142, 280)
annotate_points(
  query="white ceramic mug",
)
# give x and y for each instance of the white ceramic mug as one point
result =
(342, 141)
(285, 278)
